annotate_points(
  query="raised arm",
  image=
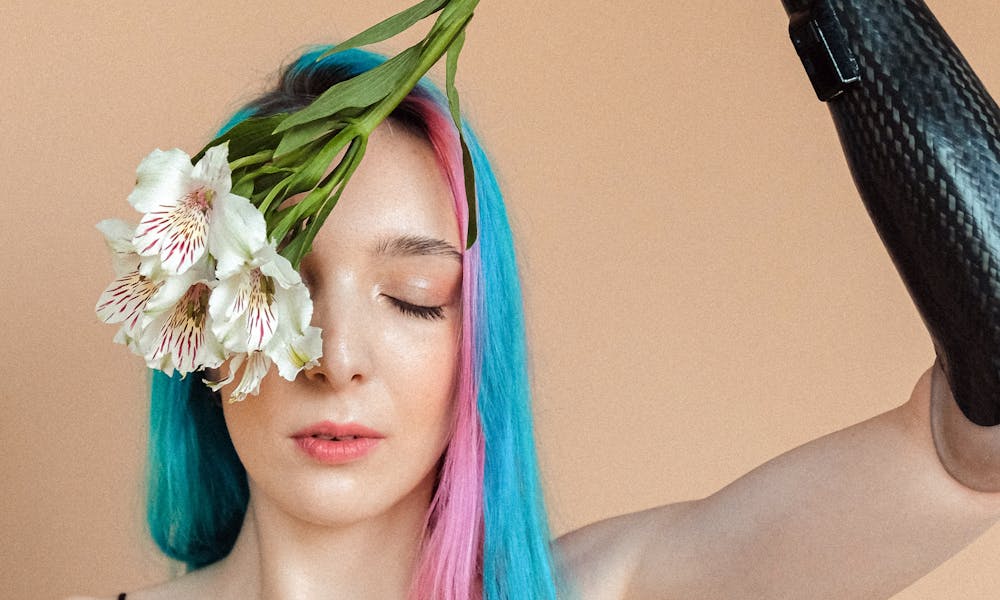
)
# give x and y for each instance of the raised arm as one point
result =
(865, 511)
(858, 514)
(922, 138)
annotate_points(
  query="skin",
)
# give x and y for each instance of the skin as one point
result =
(859, 513)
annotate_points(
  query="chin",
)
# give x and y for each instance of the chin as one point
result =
(347, 499)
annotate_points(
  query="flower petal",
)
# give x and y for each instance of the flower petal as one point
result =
(278, 267)
(238, 232)
(294, 307)
(129, 339)
(170, 292)
(118, 236)
(256, 368)
(161, 179)
(178, 233)
(126, 299)
(295, 345)
(212, 171)
(296, 352)
(261, 320)
(227, 306)
(234, 365)
(181, 339)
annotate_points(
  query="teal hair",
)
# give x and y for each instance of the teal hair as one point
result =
(197, 485)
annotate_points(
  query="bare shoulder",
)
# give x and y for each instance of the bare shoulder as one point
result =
(600, 560)
(193, 585)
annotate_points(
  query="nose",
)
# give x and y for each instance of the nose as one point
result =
(340, 312)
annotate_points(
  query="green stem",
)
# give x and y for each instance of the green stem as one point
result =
(434, 49)
(254, 159)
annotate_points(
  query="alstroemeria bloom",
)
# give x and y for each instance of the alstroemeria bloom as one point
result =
(177, 333)
(260, 309)
(178, 201)
(252, 277)
(291, 348)
(137, 279)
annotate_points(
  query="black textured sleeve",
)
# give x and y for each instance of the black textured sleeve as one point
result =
(920, 134)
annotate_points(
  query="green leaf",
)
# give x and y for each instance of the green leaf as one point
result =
(289, 218)
(314, 169)
(248, 137)
(360, 91)
(254, 159)
(470, 193)
(457, 10)
(273, 193)
(332, 188)
(389, 27)
(296, 137)
(451, 66)
(243, 187)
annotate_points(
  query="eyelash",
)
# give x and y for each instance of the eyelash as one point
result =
(431, 313)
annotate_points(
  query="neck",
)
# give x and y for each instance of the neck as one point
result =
(278, 556)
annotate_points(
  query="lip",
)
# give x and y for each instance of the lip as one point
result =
(336, 452)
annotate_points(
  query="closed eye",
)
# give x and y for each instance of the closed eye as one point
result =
(432, 313)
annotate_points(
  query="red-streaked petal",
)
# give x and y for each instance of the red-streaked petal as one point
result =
(177, 233)
(254, 371)
(125, 299)
(182, 334)
(261, 321)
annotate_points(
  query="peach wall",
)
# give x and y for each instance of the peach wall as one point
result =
(704, 288)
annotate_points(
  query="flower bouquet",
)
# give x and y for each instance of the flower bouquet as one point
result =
(210, 274)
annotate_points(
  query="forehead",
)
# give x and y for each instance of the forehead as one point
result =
(398, 190)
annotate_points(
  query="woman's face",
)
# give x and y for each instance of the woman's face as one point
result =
(385, 277)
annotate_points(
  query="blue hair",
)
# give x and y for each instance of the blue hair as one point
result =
(517, 560)
(197, 486)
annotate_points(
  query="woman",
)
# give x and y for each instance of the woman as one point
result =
(363, 475)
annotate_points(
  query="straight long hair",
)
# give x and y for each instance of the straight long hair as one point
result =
(486, 534)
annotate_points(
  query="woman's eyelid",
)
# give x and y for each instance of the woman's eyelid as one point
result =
(420, 290)
(416, 310)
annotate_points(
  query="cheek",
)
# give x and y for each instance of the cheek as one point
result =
(420, 371)
(250, 422)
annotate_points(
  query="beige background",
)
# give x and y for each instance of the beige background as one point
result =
(704, 288)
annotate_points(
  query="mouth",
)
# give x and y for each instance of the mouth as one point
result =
(337, 432)
(335, 438)
(337, 443)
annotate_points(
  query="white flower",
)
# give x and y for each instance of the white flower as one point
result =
(251, 274)
(178, 201)
(176, 330)
(260, 309)
(249, 305)
(199, 282)
(138, 278)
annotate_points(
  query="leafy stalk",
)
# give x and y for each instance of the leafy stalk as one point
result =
(279, 156)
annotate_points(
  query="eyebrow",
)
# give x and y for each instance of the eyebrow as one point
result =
(416, 245)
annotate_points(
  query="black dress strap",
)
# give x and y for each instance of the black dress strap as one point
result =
(121, 596)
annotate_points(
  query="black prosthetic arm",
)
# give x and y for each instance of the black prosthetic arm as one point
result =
(921, 137)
